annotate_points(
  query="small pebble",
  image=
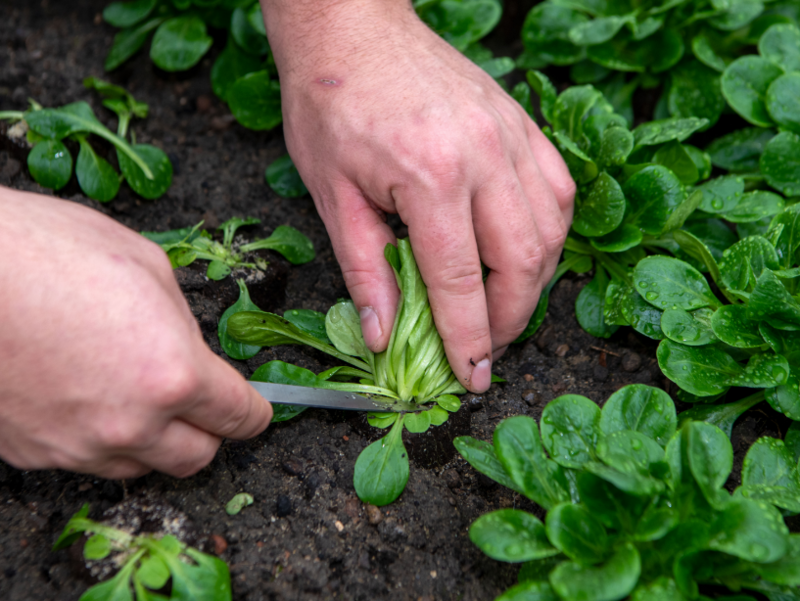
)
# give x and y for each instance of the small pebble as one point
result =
(562, 350)
(528, 377)
(283, 506)
(451, 478)
(475, 403)
(339, 525)
(203, 104)
(546, 337)
(529, 396)
(220, 544)
(559, 387)
(374, 515)
(631, 362)
(23, 542)
(292, 467)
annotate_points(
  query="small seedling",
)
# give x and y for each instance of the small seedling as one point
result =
(635, 506)
(146, 168)
(147, 565)
(412, 376)
(239, 502)
(186, 245)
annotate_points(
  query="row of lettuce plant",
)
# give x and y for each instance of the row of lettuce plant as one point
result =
(636, 504)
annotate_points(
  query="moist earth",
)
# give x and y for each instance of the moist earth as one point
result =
(307, 536)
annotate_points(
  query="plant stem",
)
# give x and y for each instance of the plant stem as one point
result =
(12, 115)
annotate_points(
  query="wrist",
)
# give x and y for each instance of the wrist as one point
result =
(323, 36)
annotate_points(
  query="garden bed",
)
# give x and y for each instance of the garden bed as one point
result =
(307, 536)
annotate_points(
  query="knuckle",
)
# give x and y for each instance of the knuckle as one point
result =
(172, 383)
(488, 131)
(120, 432)
(564, 189)
(443, 164)
(192, 465)
(459, 280)
(531, 262)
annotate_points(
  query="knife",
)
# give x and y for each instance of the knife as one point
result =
(286, 394)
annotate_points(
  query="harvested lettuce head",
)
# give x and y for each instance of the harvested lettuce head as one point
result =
(412, 376)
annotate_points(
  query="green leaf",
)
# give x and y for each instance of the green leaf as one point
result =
(601, 207)
(705, 47)
(630, 451)
(546, 28)
(781, 101)
(695, 91)
(417, 423)
(610, 581)
(231, 65)
(218, 270)
(661, 589)
(546, 92)
(76, 525)
(449, 402)
(786, 570)
(710, 456)
(704, 370)
(529, 591)
(732, 325)
(723, 415)
(721, 194)
(283, 178)
(674, 156)
(750, 530)
(659, 131)
(623, 238)
(179, 43)
(691, 329)
(743, 262)
(519, 449)
(128, 42)
(343, 326)
(669, 283)
(780, 163)
(207, 579)
(582, 168)
(570, 429)
(642, 316)
(116, 589)
(570, 109)
(50, 164)
(278, 372)
(126, 14)
(233, 348)
(382, 420)
(481, 455)
(616, 145)
(786, 398)
(96, 176)
(156, 161)
(769, 462)
(740, 150)
(291, 243)
(249, 39)
(511, 535)
(97, 547)
(786, 226)
(238, 502)
(308, 321)
(763, 370)
(597, 30)
(744, 85)
(701, 159)
(642, 409)
(653, 194)
(577, 533)
(438, 416)
(772, 301)
(738, 14)
(781, 44)
(589, 306)
(268, 329)
(381, 470)
(153, 573)
(255, 101)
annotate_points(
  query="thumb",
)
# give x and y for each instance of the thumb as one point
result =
(359, 234)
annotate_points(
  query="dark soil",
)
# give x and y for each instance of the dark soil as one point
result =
(307, 536)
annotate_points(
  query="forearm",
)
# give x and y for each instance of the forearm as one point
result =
(316, 35)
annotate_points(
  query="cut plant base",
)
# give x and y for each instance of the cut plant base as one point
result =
(412, 376)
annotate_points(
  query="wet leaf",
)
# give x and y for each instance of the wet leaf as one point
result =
(653, 194)
(691, 329)
(50, 164)
(703, 370)
(231, 65)
(732, 325)
(589, 306)
(179, 43)
(780, 163)
(744, 85)
(781, 101)
(96, 176)
(740, 150)
(233, 348)
(511, 535)
(570, 428)
(255, 101)
(669, 283)
(614, 579)
(381, 470)
(600, 208)
(640, 408)
(283, 178)
(781, 45)
(158, 163)
(577, 533)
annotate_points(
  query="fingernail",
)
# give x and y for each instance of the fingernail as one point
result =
(481, 377)
(496, 354)
(370, 327)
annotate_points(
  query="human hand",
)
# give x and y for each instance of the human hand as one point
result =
(382, 115)
(102, 366)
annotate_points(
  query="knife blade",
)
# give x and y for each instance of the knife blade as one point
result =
(286, 394)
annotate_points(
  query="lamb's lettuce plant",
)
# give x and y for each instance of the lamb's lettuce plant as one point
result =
(147, 564)
(146, 168)
(636, 507)
(412, 376)
(186, 245)
(683, 47)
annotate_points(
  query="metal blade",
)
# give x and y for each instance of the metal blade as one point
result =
(286, 394)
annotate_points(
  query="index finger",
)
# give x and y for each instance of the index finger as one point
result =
(446, 252)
